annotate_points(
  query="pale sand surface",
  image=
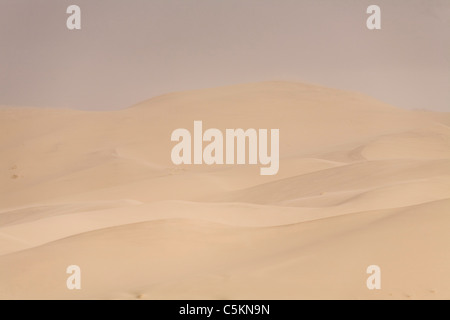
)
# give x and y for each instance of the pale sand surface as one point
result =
(360, 183)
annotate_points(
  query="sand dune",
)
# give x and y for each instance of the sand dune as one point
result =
(360, 183)
(291, 261)
(365, 175)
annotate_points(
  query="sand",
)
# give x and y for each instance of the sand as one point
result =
(360, 183)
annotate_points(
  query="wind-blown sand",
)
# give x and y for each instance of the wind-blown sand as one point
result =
(360, 183)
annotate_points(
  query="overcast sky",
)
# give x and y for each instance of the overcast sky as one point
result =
(132, 50)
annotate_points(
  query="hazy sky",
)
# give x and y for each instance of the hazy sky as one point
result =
(131, 50)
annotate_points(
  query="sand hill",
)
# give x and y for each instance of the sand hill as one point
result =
(360, 183)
